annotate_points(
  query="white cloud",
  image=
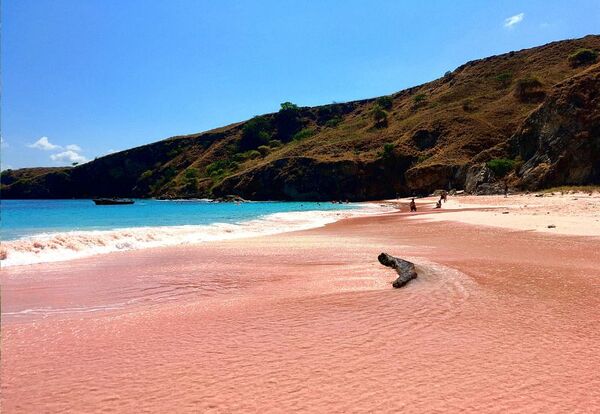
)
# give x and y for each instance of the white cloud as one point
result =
(3, 143)
(73, 147)
(513, 20)
(44, 144)
(68, 156)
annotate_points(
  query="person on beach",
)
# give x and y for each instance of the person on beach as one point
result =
(439, 203)
(444, 196)
(413, 205)
(505, 189)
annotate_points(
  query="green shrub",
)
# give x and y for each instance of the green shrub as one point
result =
(264, 150)
(388, 150)
(275, 143)
(333, 122)
(221, 167)
(419, 99)
(255, 132)
(190, 180)
(250, 155)
(246, 155)
(501, 166)
(385, 102)
(379, 116)
(146, 174)
(305, 133)
(583, 57)
(288, 106)
(173, 153)
(191, 173)
(217, 168)
(504, 79)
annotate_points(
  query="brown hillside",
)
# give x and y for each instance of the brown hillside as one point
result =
(414, 141)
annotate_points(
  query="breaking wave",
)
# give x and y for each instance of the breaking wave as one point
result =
(54, 247)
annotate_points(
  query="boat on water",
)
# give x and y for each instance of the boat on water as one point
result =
(112, 201)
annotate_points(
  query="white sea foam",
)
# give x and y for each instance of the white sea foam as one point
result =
(55, 247)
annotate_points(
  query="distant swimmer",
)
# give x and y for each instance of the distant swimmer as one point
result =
(413, 205)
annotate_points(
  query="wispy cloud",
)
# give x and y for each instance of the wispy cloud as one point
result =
(44, 144)
(3, 143)
(73, 147)
(68, 156)
(514, 20)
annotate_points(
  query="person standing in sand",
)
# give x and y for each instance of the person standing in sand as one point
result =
(413, 206)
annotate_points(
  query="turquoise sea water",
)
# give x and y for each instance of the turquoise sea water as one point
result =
(25, 218)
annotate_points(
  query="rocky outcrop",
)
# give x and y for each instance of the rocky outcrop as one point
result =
(405, 269)
(481, 180)
(425, 139)
(559, 143)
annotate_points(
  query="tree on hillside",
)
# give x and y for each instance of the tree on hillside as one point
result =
(288, 121)
(379, 116)
(255, 132)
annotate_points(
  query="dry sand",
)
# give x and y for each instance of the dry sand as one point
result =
(571, 214)
(498, 321)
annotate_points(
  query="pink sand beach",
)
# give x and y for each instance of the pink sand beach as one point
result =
(501, 319)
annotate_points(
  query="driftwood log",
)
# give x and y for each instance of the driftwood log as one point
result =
(405, 269)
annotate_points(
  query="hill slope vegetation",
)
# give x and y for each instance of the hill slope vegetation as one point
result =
(529, 118)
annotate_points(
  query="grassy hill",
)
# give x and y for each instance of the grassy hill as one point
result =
(448, 133)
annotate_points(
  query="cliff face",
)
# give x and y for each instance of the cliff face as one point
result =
(302, 178)
(537, 108)
(560, 142)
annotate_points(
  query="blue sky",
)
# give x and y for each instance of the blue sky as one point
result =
(81, 78)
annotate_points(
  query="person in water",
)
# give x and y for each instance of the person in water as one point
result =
(439, 203)
(413, 205)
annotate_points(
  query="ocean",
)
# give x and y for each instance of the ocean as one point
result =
(37, 231)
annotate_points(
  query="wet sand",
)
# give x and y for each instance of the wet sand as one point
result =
(499, 320)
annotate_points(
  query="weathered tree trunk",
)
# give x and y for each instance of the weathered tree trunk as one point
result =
(405, 269)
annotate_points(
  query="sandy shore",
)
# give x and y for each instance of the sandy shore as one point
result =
(571, 214)
(499, 320)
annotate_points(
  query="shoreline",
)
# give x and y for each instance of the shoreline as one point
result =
(76, 244)
(564, 214)
(499, 319)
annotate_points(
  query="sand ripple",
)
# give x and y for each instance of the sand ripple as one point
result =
(314, 328)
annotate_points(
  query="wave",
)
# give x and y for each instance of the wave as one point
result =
(55, 247)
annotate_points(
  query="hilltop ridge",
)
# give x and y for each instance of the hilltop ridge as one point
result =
(530, 118)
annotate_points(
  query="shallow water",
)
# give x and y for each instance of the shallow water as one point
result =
(307, 322)
(41, 231)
